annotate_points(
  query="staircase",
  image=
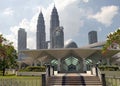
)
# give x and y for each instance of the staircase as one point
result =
(73, 81)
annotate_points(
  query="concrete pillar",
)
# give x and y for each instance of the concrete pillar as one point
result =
(35, 64)
(84, 65)
(48, 71)
(20, 63)
(41, 63)
(108, 61)
(59, 63)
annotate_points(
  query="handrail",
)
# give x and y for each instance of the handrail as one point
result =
(96, 72)
(99, 74)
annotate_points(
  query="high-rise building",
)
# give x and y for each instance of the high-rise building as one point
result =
(59, 38)
(41, 35)
(54, 23)
(92, 35)
(22, 39)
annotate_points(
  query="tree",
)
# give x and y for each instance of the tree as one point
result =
(112, 40)
(8, 54)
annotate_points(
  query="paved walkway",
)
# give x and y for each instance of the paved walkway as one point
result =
(74, 74)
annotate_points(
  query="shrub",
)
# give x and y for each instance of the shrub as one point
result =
(109, 68)
(34, 69)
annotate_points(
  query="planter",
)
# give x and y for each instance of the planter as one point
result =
(111, 73)
(30, 73)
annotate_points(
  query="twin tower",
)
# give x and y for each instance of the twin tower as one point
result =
(56, 32)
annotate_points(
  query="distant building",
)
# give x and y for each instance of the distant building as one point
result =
(56, 32)
(59, 38)
(40, 34)
(22, 42)
(92, 35)
(22, 39)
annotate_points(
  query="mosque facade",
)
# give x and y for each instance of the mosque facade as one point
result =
(68, 57)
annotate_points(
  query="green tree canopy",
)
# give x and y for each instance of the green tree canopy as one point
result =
(112, 39)
(8, 54)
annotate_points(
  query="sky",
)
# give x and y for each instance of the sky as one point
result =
(78, 17)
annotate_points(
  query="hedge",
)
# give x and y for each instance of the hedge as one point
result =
(34, 69)
(109, 68)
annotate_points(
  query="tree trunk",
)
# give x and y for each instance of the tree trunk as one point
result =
(3, 71)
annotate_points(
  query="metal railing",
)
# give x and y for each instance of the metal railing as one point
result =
(20, 82)
(112, 81)
(99, 74)
(95, 71)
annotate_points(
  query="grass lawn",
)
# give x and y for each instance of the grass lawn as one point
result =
(13, 80)
(14, 76)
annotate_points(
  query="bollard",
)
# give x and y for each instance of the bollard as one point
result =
(43, 79)
(96, 69)
(103, 80)
(53, 70)
(48, 70)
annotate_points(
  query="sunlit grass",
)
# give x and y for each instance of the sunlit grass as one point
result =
(14, 76)
(13, 80)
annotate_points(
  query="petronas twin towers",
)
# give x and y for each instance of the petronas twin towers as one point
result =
(56, 32)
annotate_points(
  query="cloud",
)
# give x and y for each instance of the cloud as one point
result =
(8, 12)
(86, 1)
(12, 38)
(99, 29)
(70, 16)
(106, 15)
(30, 28)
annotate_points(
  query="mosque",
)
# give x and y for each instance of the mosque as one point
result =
(68, 57)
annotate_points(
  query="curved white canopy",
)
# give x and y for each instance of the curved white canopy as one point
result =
(62, 52)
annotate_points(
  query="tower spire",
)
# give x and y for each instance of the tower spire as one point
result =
(41, 35)
(54, 4)
(41, 10)
(54, 23)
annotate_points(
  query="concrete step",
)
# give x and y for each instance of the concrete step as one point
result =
(74, 81)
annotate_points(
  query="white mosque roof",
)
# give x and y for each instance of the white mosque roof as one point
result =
(70, 44)
(60, 53)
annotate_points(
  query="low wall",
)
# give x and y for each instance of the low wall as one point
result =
(10, 71)
(30, 73)
(111, 73)
(93, 71)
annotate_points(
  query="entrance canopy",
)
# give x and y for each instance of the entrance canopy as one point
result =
(62, 52)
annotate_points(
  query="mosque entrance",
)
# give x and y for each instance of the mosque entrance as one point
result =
(71, 64)
(71, 68)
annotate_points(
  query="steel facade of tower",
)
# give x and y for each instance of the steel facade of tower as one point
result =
(54, 23)
(40, 34)
(22, 39)
(59, 38)
(92, 35)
